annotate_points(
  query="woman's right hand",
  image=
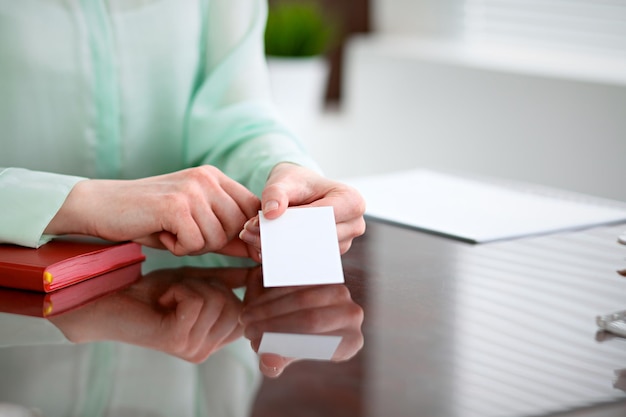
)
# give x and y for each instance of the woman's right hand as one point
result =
(188, 212)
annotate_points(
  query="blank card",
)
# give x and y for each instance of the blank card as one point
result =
(301, 248)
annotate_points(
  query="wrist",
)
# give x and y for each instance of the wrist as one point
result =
(282, 165)
(70, 218)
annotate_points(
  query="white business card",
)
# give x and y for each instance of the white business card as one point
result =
(301, 248)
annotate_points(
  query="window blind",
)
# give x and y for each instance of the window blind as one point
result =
(577, 25)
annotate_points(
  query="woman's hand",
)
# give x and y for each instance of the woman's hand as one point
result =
(188, 212)
(322, 310)
(292, 185)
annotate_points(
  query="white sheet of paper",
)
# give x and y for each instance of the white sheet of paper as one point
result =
(301, 346)
(480, 210)
(301, 248)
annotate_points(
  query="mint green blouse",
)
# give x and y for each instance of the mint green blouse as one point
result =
(128, 89)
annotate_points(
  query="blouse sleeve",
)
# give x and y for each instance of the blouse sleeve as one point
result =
(232, 123)
(30, 199)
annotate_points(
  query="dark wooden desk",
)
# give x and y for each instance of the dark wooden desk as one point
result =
(451, 330)
(459, 330)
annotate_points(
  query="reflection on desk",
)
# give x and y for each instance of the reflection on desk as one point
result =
(505, 329)
(169, 344)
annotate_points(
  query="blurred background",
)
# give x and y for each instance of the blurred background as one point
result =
(531, 90)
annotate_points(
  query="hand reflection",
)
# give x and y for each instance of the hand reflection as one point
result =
(325, 309)
(192, 312)
(186, 312)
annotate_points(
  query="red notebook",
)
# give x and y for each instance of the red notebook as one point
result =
(39, 304)
(63, 262)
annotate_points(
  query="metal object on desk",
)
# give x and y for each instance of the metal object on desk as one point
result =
(614, 323)
(622, 239)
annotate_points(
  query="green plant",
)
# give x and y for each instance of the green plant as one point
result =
(298, 29)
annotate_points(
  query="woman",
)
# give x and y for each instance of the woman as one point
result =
(148, 120)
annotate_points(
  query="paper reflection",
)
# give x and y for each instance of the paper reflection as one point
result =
(301, 346)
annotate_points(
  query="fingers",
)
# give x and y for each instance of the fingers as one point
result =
(248, 203)
(348, 231)
(343, 320)
(235, 247)
(201, 210)
(210, 212)
(325, 309)
(347, 202)
(292, 185)
(287, 300)
(186, 307)
(192, 319)
(203, 318)
(251, 233)
(257, 294)
(275, 199)
(153, 241)
(219, 212)
(318, 320)
(232, 205)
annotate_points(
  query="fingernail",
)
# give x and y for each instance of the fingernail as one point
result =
(244, 235)
(252, 225)
(270, 206)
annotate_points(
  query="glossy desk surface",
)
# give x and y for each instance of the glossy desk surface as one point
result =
(449, 329)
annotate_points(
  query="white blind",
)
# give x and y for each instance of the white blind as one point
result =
(585, 25)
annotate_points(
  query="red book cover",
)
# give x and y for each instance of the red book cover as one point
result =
(37, 304)
(63, 262)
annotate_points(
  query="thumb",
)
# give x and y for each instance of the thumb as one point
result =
(275, 199)
(287, 184)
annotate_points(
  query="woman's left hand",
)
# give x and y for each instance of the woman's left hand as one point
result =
(318, 309)
(291, 185)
